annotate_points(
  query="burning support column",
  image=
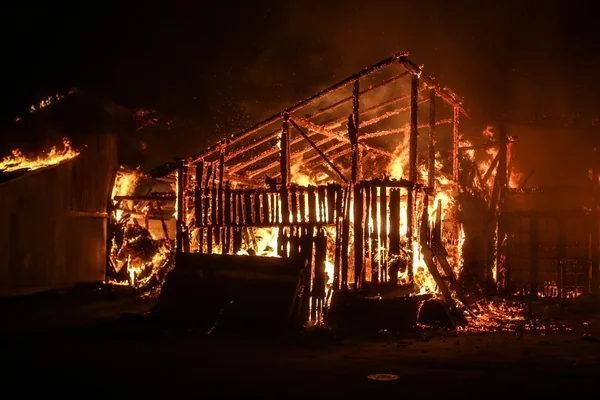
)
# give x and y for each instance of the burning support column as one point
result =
(180, 193)
(412, 167)
(502, 182)
(353, 126)
(432, 141)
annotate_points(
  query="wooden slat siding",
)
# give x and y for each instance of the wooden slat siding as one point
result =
(331, 190)
(394, 236)
(266, 215)
(228, 199)
(367, 235)
(374, 243)
(302, 204)
(321, 203)
(312, 205)
(257, 213)
(307, 254)
(44, 245)
(201, 232)
(248, 209)
(383, 232)
(198, 206)
(319, 280)
(345, 238)
(294, 204)
(358, 236)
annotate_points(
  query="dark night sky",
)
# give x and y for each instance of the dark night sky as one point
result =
(227, 65)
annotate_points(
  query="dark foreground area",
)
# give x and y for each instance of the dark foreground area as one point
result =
(88, 344)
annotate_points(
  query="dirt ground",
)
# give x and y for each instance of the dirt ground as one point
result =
(82, 345)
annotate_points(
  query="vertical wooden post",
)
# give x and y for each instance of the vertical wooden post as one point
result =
(199, 173)
(383, 262)
(394, 221)
(432, 140)
(455, 142)
(266, 213)
(353, 126)
(338, 238)
(227, 219)
(285, 168)
(345, 237)
(221, 211)
(285, 150)
(534, 242)
(367, 232)
(358, 236)
(180, 213)
(412, 165)
(256, 212)
(502, 182)
(374, 242)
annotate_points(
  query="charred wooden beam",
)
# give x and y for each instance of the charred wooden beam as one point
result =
(220, 211)
(432, 140)
(285, 151)
(395, 216)
(245, 133)
(446, 94)
(349, 98)
(285, 168)
(180, 212)
(321, 203)
(387, 132)
(314, 146)
(412, 164)
(266, 138)
(209, 172)
(455, 143)
(199, 173)
(491, 168)
(358, 236)
(345, 238)
(502, 181)
(295, 155)
(323, 130)
(526, 179)
(374, 242)
(353, 125)
(388, 114)
(383, 232)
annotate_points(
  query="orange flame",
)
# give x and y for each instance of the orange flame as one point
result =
(18, 161)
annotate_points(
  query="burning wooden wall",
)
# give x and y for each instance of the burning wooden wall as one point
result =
(340, 179)
(53, 231)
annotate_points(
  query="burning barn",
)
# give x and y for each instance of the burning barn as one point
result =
(54, 203)
(373, 185)
(342, 180)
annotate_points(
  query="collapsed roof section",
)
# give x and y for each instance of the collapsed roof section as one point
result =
(377, 100)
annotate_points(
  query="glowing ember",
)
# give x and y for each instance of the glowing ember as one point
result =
(19, 161)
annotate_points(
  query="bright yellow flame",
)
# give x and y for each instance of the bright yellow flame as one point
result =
(18, 160)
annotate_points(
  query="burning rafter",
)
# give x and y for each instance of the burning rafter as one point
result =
(401, 57)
